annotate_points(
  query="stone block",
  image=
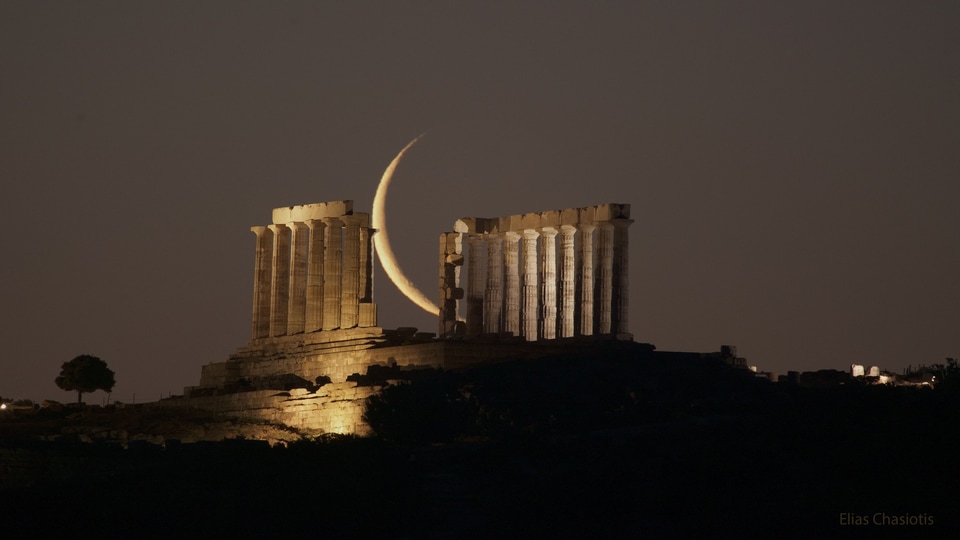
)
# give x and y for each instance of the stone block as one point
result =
(490, 225)
(451, 242)
(606, 212)
(465, 225)
(510, 223)
(368, 315)
(603, 212)
(312, 211)
(570, 216)
(550, 218)
(588, 215)
(530, 221)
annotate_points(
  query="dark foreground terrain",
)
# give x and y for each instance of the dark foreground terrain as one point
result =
(622, 447)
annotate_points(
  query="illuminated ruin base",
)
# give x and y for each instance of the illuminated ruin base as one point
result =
(281, 380)
(333, 408)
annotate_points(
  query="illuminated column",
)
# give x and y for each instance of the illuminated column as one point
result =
(368, 310)
(621, 276)
(450, 261)
(493, 298)
(260, 327)
(280, 281)
(331, 272)
(511, 297)
(605, 277)
(313, 317)
(585, 305)
(366, 266)
(568, 283)
(530, 303)
(548, 283)
(350, 272)
(474, 286)
(298, 277)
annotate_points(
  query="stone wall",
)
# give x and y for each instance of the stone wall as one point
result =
(298, 361)
(332, 408)
(280, 383)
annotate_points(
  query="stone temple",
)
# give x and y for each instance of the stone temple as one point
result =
(536, 285)
(520, 283)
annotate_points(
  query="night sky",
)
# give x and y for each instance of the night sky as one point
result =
(793, 170)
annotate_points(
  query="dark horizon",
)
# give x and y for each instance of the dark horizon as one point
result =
(791, 169)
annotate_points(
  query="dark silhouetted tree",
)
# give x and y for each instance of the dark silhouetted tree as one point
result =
(85, 373)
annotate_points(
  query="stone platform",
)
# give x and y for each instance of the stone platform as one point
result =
(301, 381)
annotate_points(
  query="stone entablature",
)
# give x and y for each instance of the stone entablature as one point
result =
(313, 271)
(520, 283)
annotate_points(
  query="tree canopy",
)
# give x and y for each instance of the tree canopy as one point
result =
(85, 373)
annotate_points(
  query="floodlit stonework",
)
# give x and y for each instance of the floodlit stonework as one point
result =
(533, 283)
(312, 271)
(545, 275)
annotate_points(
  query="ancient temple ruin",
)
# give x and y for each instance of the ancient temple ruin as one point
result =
(536, 285)
(313, 271)
(519, 283)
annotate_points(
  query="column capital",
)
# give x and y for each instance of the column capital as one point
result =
(530, 234)
(277, 227)
(296, 225)
(259, 229)
(353, 220)
(315, 224)
(549, 232)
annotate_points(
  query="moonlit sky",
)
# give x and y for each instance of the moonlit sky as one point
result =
(792, 169)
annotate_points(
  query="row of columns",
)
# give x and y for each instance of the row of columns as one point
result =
(522, 290)
(313, 275)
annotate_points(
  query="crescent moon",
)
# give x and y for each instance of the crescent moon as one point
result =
(381, 240)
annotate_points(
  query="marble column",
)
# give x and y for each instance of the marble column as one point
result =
(548, 283)
(280, 280)
(366, 265)
(313, 317)
(475, 286)
(585, 303)
(331, 272)
(260, 327)
(568, 285)
(605, 278)
(368, 310)
(511, 289)
(529, 312)
(621, 276)
(350, 272)
(298, 277)
(493, 297)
